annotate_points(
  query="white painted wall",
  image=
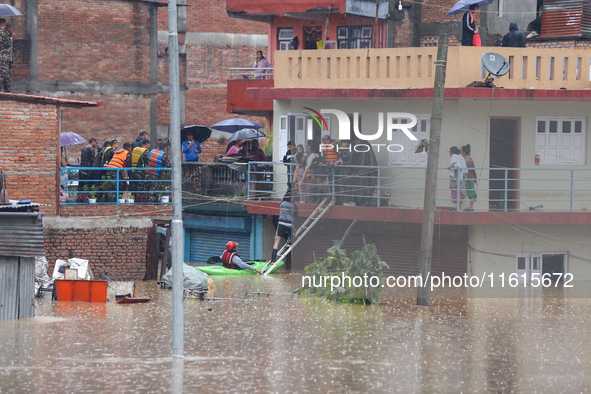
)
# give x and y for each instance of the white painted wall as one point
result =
(465, 121)
(498, 247)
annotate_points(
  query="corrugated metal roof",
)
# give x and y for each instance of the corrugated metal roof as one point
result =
(21, 234)
(47, 100)
(566, 18)
(14, 205)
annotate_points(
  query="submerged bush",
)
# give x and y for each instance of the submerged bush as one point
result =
(338, 277)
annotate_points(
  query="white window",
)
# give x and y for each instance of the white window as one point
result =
(560, 140)
(407, 157)
(285, 36)
(540, 265)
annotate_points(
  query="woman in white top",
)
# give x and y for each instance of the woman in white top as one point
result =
(457, 170)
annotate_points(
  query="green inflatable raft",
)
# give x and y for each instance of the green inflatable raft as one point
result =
(221, 270)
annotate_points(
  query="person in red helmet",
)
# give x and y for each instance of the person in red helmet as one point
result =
(231, 259)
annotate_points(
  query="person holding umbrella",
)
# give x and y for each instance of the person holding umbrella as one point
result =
(191, 148)
(469, 28)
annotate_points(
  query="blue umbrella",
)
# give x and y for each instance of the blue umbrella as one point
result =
(235, 124)
(246, 134)
(8, 10)
(462, 6)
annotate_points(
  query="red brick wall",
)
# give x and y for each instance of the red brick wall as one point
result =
(433, 41)
(211, 16)
(107, 210)
(98, 40)
(435, 10)
(28, 148)
(120, 116)
(119, 253)
(403, 33)
(570, 44)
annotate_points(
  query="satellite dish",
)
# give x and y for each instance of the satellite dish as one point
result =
(496, 65)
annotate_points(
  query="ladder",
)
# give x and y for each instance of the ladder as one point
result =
(310, 221)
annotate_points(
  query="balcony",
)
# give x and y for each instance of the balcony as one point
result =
(242, 79)
(405, 68)
(505, 195)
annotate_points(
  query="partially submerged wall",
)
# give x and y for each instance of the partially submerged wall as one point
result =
(114, 246)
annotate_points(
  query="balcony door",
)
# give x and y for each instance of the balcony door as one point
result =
(312, 34)
(503, 153)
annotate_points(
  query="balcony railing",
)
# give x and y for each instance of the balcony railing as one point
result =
(398, 68)
(499, 189)
(251, 73)
(88, 185)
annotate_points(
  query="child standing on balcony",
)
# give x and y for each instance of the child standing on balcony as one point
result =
(471, 177)
(457, 170)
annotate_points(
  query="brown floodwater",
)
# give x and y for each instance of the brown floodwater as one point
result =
(284, 343)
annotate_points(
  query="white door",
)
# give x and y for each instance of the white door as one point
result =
(535, 266)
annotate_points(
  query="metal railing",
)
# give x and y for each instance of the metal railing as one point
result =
(499, 189)
(90, 185)
(251, 73)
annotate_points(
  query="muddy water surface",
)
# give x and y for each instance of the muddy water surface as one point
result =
(281, 343)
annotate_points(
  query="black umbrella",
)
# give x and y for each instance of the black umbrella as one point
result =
(200, 133)
(246, 134)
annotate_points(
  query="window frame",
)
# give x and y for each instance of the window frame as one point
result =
(546, 142)
(282, 41)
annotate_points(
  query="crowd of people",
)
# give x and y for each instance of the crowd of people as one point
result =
(131, 157)
(350, 173)
(313, 172)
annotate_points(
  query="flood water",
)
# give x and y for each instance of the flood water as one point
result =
(284, 343)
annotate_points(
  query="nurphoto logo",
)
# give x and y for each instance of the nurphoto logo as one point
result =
(345, 128)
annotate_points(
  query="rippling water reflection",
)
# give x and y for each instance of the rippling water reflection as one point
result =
(281, 343)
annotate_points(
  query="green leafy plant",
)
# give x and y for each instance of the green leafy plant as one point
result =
(268, 144)
(337, 264)
(121, 197)
(92, 195)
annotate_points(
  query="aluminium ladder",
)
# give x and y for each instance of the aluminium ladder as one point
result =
(310, 221)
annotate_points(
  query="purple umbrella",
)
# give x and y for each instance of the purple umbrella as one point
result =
(235, 124)
(69, 138)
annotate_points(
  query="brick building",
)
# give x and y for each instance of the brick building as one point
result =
(115, 52)
(113, 237)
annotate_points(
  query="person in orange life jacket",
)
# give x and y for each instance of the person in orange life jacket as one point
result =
(284, 226)
(231, 259)
(330, 157)
(121, 159)
(191, 148)
(158, 158)
(139, 159)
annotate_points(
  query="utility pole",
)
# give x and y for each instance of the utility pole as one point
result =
(432, 164)
(178, 322)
